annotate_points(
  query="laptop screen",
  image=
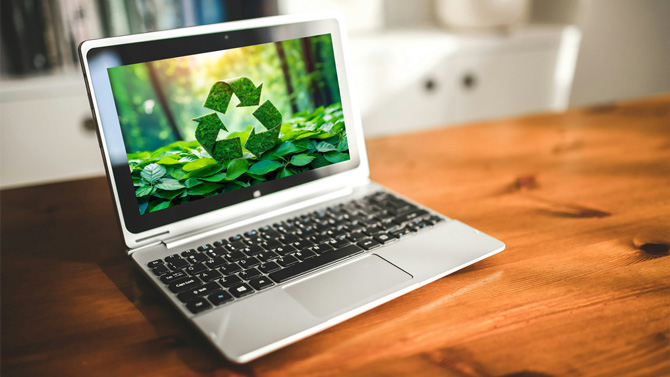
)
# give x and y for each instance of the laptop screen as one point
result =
(200, 119)
(208, 124)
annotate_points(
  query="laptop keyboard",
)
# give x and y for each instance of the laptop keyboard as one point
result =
(229, 269)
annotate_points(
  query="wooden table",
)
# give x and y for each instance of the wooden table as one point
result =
(582, 200)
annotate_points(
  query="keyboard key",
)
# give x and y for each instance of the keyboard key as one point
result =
(188, 253)
(436, 219)
(195, 269)
(253, 250)
(339, 242)
(155, 263)
(160, 270)
(234, 256)
(249, 262)
(169, 278)
(302, 244)
(197, 257)
(284, 250)
(269, 267)
(261, 283)
(183, 284)
(313, 263)
(215, 262)
(407, 216)
(356, 236)
(198, 291)
(321, 248)
(198, 305)
(287, 260)
(178, 264)
(266, 256)
(288, 238)
(241, 290)
(230, 269)
(383, 238)
(210, 275)
(249, 274)
(236, 245)
(368, 244)
(172, 257)
(220, 297)
(270, 234)
(251, 233)
(400, 233)
(237, 237)
(305, 254)
(229, 281)
(205, 247)
(271, 244)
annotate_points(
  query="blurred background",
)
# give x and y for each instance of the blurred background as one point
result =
(416, 64)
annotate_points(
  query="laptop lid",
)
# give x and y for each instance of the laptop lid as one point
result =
(203, 127)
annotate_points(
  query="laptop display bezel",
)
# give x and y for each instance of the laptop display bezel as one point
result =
(99, 55)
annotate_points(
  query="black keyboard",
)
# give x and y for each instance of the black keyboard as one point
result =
(229, 269)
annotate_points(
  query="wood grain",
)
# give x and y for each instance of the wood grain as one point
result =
(582, 200)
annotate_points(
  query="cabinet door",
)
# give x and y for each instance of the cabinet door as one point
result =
(43, 140)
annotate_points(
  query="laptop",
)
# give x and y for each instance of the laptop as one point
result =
(236, 159)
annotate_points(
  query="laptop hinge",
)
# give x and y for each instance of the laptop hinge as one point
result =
(238, 223)
(140, 248)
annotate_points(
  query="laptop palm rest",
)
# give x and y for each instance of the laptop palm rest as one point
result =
(350, 285)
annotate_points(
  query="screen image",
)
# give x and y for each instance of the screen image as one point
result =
(201, 125)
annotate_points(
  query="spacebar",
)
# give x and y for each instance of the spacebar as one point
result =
(312, 263)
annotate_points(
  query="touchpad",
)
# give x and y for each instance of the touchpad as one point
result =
(348, 286)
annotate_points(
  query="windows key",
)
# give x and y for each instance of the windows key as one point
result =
(241, 290)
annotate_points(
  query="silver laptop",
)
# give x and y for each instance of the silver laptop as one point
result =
(236, 159)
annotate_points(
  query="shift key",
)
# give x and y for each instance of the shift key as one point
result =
(183, 284)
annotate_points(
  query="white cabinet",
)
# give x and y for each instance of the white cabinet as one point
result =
(42, 136)
(414, 80)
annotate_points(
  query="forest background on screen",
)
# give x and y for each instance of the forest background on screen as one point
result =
(156, 102)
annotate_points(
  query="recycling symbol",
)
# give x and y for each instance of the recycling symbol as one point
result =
(218, 100)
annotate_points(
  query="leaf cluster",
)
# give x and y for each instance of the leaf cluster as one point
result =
(183, 171)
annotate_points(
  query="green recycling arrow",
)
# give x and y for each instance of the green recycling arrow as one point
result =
(221, 150)
(218, 100)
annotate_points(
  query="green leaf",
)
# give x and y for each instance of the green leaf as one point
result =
(138, 156)
(199, 164)
(153, 172)
(240, 183)
(204, 188)
(144, 191)
(284, 173)
(143, 204)
(343, 145)
(264, 167)
(218, 177)
(285, 148)
(236, 168)
(192, 182)
(177, 173)
(188, 158)
(169, 160)
(325, 147)
(301, 159)
(204, 172)
(320, 162)
(335, 157)
(169, 184)
(159, 206)
(169, 194)
(257, 177)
